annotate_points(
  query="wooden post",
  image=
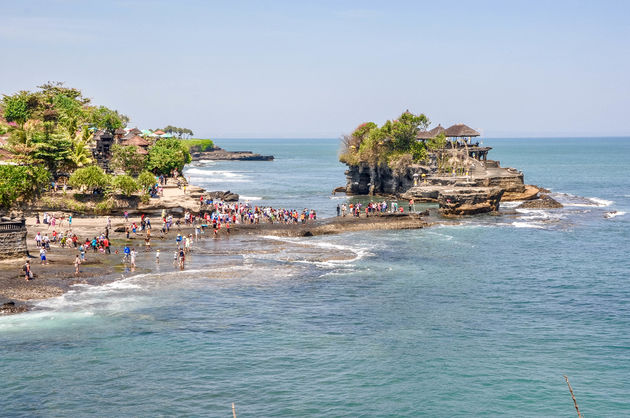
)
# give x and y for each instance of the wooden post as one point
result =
(233, 411)
(573, 396)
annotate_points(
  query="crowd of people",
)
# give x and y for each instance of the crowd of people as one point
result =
(218, 215)
(372, 208)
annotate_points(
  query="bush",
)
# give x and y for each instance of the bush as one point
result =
(198, 145)
(89, 178)
(146, 180)
(21, 183)
(166, 155)
(105, 206)
(125, 185)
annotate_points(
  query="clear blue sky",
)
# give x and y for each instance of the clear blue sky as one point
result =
(318, 69)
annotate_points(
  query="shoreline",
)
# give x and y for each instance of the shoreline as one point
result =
(57, 277)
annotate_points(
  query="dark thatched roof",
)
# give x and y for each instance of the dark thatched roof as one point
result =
(136, 141)
(460, 130)
(135, 131)
(431, 133)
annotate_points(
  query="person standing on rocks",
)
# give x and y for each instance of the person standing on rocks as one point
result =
(338, 210)
(27, 271)
(42, 256)
(77, 263)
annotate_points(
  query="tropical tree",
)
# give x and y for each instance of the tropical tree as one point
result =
(166, 155)
(125, 184)
(89, 178)
(146, 180)
(127, 159)
(107, 119)
(21, 183)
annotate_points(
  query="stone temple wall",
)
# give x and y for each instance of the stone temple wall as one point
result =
(12, 239)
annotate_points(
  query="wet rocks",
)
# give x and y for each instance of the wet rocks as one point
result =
(544, 202)
(226, 196)
(469, 201)
(219, 154)
(11, 308)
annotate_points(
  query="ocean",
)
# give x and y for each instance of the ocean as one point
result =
(481, 316)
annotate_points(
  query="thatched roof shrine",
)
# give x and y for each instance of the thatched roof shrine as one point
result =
(461, 131)
(136, 141)
(431, 133)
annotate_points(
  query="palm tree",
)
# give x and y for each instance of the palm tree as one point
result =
(81, 153)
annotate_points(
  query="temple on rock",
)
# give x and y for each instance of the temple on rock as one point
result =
(458, 167)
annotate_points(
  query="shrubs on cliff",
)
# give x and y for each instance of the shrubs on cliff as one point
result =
(21, 183)
(125, 184)
(89, 178)
(392, 142)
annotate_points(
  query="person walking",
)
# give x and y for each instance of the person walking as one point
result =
(77, 263)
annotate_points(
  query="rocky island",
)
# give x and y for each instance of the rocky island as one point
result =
(405, 160)
(219, 154)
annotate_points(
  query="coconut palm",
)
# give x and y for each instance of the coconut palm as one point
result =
(81, 152)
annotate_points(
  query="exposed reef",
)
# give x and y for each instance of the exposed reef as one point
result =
(218, 154)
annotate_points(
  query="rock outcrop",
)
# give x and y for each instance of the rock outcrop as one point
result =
(544, 202)
(225, 196)
(219, 154)
(469, 200)
(12, 238)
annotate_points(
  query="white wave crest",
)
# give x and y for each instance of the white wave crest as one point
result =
(614, 214)
(218, 175)
(527, 225)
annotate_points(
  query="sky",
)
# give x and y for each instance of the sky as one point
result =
(292, 69)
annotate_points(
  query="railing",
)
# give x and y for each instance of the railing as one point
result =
(9, 226)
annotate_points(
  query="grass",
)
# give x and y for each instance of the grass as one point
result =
(198, 145)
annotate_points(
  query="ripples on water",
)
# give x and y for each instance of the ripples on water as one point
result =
(479, 317)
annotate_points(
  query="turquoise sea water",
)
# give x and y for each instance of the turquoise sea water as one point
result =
(479, 317)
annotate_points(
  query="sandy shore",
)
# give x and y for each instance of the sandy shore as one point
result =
(56, 277)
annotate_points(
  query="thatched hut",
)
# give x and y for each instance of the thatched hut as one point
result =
(432, 133)
(461, 131)
(140, 143)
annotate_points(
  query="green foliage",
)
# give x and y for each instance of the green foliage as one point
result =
(146, 180)
(52, 126)
(166, 155)
(125, 184)
(105, 206)
(198, 145)
(438, 142)
(21, 183)
(16, 108)
(373, 145)
(107, 119)
(55, 153)
(90, 178)
(179, 132)
(127, 159)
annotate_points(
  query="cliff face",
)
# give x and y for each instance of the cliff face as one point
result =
(479, 190)
(367, 179)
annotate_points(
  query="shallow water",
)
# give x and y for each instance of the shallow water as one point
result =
(481, 317)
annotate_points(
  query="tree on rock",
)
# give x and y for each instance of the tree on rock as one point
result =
(90, 178)
(166, 155)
